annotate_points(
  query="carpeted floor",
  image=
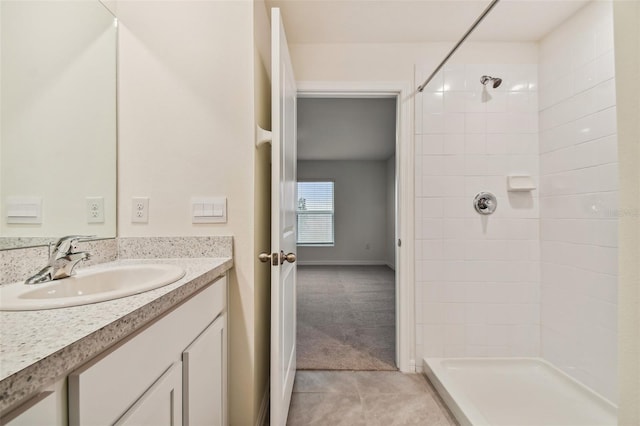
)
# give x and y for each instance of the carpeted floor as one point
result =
(346, 318)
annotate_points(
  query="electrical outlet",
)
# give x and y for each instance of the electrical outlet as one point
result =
(140, 210)
(95, 209)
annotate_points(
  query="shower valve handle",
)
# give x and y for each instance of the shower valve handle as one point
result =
(485, 203)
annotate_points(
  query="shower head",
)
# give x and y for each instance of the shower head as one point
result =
(496, 82)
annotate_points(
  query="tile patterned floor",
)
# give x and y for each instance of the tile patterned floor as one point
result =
(346, 318)
(371, 398)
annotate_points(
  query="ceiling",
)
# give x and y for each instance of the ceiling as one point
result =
(419, 21)
(346, 128)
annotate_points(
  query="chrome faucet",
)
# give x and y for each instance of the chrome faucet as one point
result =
(62, 260)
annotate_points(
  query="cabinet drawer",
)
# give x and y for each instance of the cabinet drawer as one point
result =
(101, 391)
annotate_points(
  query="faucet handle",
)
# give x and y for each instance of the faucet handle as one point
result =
(68, 243)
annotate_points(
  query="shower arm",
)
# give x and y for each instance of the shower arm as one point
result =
(459, 43)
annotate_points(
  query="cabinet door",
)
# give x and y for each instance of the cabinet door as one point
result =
(160, 405)
(204, 377)
(40, 410)
(49, 407)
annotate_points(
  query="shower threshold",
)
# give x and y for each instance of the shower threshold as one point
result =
(515, 391)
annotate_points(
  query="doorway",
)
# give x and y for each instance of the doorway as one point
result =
(347, 231)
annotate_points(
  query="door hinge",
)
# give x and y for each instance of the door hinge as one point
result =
(399, 242)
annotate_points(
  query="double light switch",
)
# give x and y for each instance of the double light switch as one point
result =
(209, 210)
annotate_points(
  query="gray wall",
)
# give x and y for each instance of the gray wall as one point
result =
(361, 212)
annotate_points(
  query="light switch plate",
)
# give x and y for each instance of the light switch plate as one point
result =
(209, 210)
(24, 209)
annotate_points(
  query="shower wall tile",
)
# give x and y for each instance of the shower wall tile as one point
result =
(454, 101)
(477, 277)
(455, 78)
(432, 103)
(578, 199)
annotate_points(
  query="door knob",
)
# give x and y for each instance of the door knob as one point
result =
(268, 257)
(289, 257)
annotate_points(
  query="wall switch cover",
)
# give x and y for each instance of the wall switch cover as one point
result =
(209, 210)
(24, 209)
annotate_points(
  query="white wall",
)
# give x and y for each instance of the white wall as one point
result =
(58, 114)
(391, 213)
(188, 88)
(579, 198)
(476, 276)
(627, 53)
(181, 104)
(360, 205)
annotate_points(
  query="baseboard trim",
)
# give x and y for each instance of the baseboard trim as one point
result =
(264, 407)
(341, 262)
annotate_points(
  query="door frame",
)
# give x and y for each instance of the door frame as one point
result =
(405, 195)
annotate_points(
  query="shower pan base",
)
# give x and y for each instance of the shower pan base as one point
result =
(515, 391)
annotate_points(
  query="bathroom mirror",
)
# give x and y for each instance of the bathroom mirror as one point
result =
(57, 121)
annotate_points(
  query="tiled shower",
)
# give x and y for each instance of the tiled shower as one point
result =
(579, 199)
(538, 277)
(478, 276)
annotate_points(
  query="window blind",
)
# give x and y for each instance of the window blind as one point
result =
(315, 213)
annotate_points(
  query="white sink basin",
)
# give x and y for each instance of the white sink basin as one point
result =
(88, 286)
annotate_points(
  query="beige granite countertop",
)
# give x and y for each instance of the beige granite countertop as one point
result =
(40, 347)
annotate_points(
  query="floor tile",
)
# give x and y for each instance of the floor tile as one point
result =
(369, 398)
(332, 355)
(390, 382)
(399, 409)
(330, 409)
(325, 381)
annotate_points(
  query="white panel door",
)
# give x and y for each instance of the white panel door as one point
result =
(283, 223)
(161, 405)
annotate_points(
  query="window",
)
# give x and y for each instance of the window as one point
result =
(315, 213)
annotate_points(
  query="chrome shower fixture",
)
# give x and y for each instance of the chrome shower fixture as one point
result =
(487, 78)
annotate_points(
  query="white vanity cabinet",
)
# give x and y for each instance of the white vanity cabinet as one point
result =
(172, 371)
